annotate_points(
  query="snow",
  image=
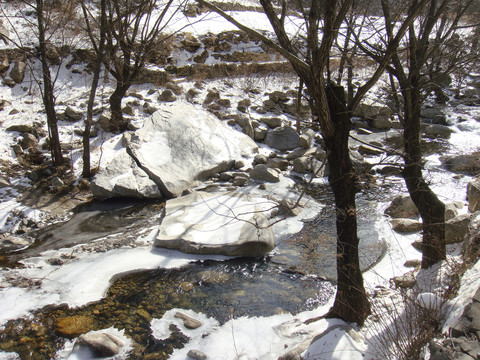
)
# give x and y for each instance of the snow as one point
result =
(87, 278)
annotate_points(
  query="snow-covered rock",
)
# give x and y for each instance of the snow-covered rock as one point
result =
(176, 147)
(231, 224)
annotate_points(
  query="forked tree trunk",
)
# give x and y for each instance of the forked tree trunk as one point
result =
(351, 302)
(431, 209)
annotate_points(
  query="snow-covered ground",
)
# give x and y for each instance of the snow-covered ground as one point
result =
(88, 277)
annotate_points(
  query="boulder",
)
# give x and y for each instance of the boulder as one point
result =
(262, 173)
(283, 138)
(123, 178)
(260, 159)
(260, 133)
(382, 122)
(181, 145)
(302, 165)
(436, 116)
(402, 207)
(473, 195)
(17, 73)
(464, 163)
(307, 138)
(72, 114)
(456, 228)
(277, 163)
(231, 224)
(167, 95)
(29, 141)
(402, 225)
(100, 344)
(438, 130)
(272, 122)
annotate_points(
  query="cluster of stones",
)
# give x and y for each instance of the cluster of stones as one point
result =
(463, 341)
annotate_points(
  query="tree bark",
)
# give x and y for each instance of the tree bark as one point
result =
(351, 302)
(432, 209)
(48, 98)
(117, 122)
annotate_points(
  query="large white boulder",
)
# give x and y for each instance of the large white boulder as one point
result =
(177, 147)
(228, 223)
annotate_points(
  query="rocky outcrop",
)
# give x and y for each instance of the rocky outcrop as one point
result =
(176, 148)
(231, 224)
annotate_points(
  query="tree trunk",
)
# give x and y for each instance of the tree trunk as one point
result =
(87, 172)
(351, 302)
(431, 209)
(48, 98)
(117, 122)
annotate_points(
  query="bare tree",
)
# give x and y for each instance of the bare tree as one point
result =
(132, 31)
(416, 70)
(322, 21)
(47, 94)
(99, 51)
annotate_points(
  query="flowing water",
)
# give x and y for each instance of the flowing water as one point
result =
(293, 279)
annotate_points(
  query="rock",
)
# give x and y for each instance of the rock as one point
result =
(4, 64)
(202, 223)
(469, 164)
(369, 150)
(72, 114)
(17, 73)
(277, 163)
(402, 207)
(260, 133)
(405, 281)
(307, 138)
(272, 122)
(56, 182)
(456, 228)
(188, 322)
(128, 110)
(196, 355)
(191, 43)
(4, 104)
(302, 165)
(193, 145)
(260, 159)
(4, 34)
(4, 182)
(473, 195)
(149, 109)
(413, 263)
(21, 128)
(14, 112)
(283, 138)
(438, 130)
(73, 326)
(123, 178)
(100, 344)
(262, 173)
(451, 210)
(432, 113)
(240, 180)
(167, 95)
(176, 88)
(382, 123)
(243, 105)
(406, 225)
(297, 153)
(29, 141)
